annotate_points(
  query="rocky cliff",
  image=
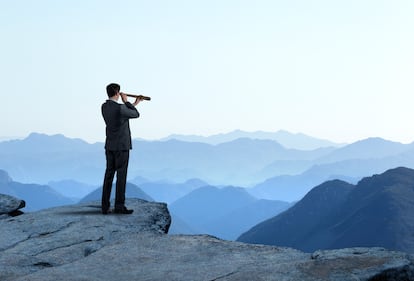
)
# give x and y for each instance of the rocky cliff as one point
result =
(77, 242)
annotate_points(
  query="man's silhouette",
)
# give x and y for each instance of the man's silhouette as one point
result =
(117, 145)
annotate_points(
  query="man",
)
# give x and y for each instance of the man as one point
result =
(117, 145)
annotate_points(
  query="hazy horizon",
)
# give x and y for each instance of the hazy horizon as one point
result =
(335, 70)
(8, 138)
(5, 138)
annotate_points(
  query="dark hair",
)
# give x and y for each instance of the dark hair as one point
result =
(112, 89)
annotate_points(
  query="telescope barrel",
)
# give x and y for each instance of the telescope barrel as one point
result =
(138, 96)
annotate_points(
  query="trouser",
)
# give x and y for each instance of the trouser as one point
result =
(116, 161)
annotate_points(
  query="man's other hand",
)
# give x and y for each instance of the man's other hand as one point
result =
(137, 100)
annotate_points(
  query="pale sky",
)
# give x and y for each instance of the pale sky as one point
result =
(339, 70)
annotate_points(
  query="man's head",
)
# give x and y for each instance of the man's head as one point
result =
(113, 89)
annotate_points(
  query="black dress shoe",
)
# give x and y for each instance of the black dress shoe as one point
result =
(124, 210)
(105, 212)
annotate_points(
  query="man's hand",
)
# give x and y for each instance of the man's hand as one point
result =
(137, 100)
(124, 97)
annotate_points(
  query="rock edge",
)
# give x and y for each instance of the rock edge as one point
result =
(77, 242)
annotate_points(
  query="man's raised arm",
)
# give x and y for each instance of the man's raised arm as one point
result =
(128, 109)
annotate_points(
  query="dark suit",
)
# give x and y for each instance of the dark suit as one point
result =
(117, 145)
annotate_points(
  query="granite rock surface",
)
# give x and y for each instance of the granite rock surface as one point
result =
(77, 242)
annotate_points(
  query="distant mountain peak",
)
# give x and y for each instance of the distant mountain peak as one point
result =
(195, 181)
(44, 142)
(37, 134)
(283, 137)
(34, 136)
(375, 140)
(329, 190)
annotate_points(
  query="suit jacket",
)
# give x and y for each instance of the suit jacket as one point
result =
(116, 116)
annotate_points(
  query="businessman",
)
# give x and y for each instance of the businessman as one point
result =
(117, 145)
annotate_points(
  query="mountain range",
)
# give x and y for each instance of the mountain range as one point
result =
(376, 212)
(294, 187)
(289, 140)
(41, 158)
(270, 170)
